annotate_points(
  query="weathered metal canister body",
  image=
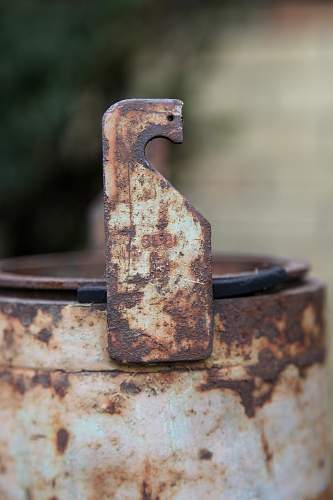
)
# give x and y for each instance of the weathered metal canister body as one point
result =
(145, 396)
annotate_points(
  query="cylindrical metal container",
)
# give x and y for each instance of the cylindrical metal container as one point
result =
(173, 386)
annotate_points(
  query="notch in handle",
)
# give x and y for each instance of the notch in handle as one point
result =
(158, 247)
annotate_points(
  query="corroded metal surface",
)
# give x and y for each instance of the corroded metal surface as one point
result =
(250, 422)
(70, 336)
(89, 436)
(158, 250)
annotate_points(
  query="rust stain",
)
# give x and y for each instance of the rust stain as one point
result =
(146, 491)
(60, 383)
(151, 480)
(23, 380)
(205, 454)
(258, 386)
(269, 367)
(27, 314)
(28, 494)
(324, 495)
(159, 294)
(244, 388)
(23, 312)
(268, 454)
(42, 378)
(148, 473)
(3, 468)
(281, 319)
(115, 405)
(35, 437)
(161, 239)
(129, 387)
(155, 486)
(44, 335)
(17, 381)
(105, 481)
(62, 440)
(291, 326)
(8, 337)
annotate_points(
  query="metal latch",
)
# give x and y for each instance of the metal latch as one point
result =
(158, 247)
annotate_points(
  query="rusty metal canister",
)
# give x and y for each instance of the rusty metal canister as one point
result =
(173, 376)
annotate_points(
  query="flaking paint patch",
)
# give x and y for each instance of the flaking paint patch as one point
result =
(44, 335)
(129, 387)
(62, 439)
(205, 454)
(24, 380)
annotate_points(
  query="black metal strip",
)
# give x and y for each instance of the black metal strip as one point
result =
(245, 284)
(223, 287)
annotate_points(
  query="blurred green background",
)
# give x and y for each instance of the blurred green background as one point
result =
(62, 64)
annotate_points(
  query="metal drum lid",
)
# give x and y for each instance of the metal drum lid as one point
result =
(233, 275)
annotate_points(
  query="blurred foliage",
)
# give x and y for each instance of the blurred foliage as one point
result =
(62, 64)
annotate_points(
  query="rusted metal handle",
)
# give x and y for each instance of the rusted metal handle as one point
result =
(158, 247)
